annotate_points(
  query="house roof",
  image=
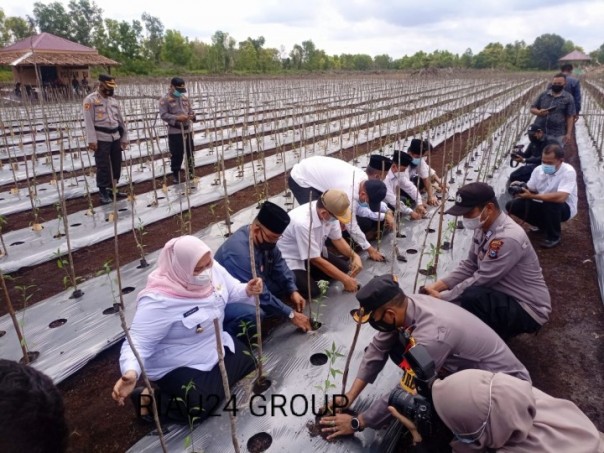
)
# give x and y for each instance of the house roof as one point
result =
(575, 55)
(49, 49)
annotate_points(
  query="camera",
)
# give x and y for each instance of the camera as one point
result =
(416, 408)
(516, 188)
(515, 154)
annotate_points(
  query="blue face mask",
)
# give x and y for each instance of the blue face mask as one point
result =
(363, 204)
(176, 93)
(416, 161)
(548, 169)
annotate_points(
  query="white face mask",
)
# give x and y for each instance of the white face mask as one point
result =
(474, 223)
(202, 279)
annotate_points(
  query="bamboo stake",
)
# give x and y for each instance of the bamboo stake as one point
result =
(260, 377)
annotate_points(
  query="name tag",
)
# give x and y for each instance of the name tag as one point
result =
(190, 312)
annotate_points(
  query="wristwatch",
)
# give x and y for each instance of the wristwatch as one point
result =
(291, 314)
(355, 424)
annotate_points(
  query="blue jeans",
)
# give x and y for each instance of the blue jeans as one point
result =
(234, 314)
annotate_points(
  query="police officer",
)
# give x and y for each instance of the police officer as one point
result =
(175, 109)
(107, 136)
(501, 280)
(531, 157)
(455, 339)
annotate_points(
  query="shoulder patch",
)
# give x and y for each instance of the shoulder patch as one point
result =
(87, 106)
(494, 247)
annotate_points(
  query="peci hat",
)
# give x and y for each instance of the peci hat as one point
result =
(379, 291)
(338, 204)
(379, 162)
(273, 217)
(534, 128)
(376, 192)
(470, 196)
(179, 84)
(108, 80)
(401, 158)
(420, 147)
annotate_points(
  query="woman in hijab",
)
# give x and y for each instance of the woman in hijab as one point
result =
(173, 331)
(498, 412)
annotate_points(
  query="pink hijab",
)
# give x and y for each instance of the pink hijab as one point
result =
(521, 418)
(175, 267)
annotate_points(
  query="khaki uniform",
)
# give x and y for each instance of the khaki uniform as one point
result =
(180, 134)
(170, 107)
(504, 260)
(454, 338)
(106, 128)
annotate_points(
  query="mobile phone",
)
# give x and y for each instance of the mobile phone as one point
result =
(549, 109)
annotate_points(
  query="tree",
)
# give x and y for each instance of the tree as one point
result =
(199, 54)
(362, 62)
(53, 18)
(467, 59)
(85, 20)
(383, 61)
(547, 50)
(492, 56)
(220, 58)
(176, 48)
(153, 41)
(17, 28)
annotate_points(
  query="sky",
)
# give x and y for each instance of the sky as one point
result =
(394, 27)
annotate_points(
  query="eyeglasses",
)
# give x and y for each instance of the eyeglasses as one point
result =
(469, 438)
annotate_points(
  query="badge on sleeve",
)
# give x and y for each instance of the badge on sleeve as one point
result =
(494, 248)
(87, 106)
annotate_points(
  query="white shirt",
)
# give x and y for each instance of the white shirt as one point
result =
(324, 173)
(165, 328)
(564, 180)
(400, 181)
(422, 170)
(293, 244)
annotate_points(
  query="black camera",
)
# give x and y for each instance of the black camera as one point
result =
(517, 187)
(417, 408)
(516, 150)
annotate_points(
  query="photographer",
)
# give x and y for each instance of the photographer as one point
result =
(550, 197)
(501, 280)
(494, 411)
(531, 157)
(453, 337)
(555, 110)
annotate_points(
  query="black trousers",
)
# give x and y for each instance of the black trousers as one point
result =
(187, 392)
(499, 311)
(406, 198)
(547, 216)
(316, 274)
(523, 173)
(108, 159)
(302, 194)
(178, 148)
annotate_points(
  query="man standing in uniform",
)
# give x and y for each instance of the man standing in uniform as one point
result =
(501, 280)
(317, 174)
(279, 280)
(555, 110)
(175, 109)
(455, 339)
(303, 243)
(107, 136)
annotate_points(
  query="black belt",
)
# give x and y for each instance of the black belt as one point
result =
(106, 129)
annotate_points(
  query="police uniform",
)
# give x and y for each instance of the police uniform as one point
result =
(105, 126)
(180, 134)
(501, 280)
(454, 338)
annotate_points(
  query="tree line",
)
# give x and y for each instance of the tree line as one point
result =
(145, 47)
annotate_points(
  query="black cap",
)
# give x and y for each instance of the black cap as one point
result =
(273, 217)
(379, 162)
(179, 84)
(401, 158)
(420, 147)
(379, 291)
(376, 192)
(534, 128)
(109, 80)
(470, 196)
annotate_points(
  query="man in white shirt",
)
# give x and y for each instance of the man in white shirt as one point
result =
(397, 179)
(314, 175)
(551, 197)
(419, 171)
(303, 243)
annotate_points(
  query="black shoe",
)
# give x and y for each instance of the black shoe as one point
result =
(176, 180)
(121, 195)
(104, 197)
(550, 243)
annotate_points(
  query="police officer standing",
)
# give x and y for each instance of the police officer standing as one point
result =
(501, 280)
(107, 136)
(175, 109)
(455, 339)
